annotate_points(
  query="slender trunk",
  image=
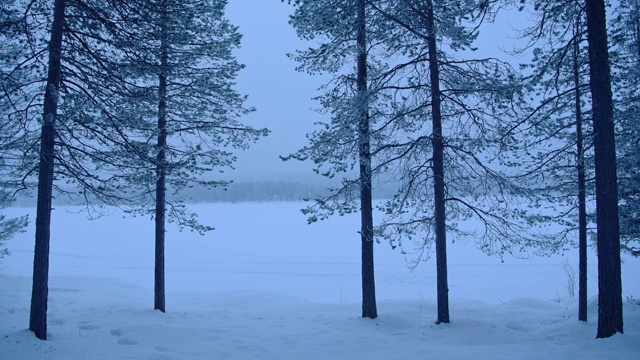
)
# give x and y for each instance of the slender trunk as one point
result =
(636, 17)
(582, 201)
(609, 267)
(159, 291)
(369, 308)
(438, 173)
(40, 289)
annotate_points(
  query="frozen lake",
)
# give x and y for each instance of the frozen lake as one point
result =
(263, 262)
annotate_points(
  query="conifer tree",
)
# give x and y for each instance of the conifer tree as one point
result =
(608, 239)
(39, 294)
(555, 143)
(72, 83)
(434, 125)
(180, 112)
(626, 65)
(346, 141)
(449, 110)
(13, 135)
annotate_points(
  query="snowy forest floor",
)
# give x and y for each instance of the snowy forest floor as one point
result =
(265, 285)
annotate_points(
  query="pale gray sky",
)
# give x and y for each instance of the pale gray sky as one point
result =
(281, 95)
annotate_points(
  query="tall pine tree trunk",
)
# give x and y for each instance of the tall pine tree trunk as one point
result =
(369, 308)
(636, 32)
(438, 173)
(159, 290)
(40, 289)
(582, 193)
(609, 267)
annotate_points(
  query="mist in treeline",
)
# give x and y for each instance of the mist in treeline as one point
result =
(239, 191)
(133, 104)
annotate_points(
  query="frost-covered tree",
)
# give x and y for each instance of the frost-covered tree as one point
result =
(434, 122)
(12, 130)
(343, 31)
(552, 143)
(62, 149)
(626, 71)
(560, 86)
(449, 110)
(91, 83)
(179, 112)
(59, 91)
(608, 226)
(39, 294)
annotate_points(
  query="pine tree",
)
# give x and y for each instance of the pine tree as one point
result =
(343, 29)
(180, 112)
(39, 294)
(13, 136)
(448, 113)
(434, 125)
(609, 266)
(369, 308)
(554, 139)
(626, 65)
(62, 92)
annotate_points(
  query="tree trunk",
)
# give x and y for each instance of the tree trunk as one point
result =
(609, 272)
(582, 195)
(40, 289)
(159, 288)
(637, 30)
(438, 173)
(369, 308)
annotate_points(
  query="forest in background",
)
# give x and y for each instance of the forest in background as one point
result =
(131, 104)
(238, 191)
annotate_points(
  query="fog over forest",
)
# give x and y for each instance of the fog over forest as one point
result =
(487, 150)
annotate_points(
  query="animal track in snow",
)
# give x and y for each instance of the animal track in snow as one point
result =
(88, 327)
(127, 342)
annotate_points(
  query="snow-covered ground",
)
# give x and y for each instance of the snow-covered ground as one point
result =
(265, 285)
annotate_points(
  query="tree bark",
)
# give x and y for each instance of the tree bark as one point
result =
(637, 31)
(40, 287)
(369, 308)
(159, 287)
(609, 267)
(438, 172)
(582, 193)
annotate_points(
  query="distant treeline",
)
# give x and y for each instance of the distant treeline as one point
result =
(259, 191)
(265, 191)
(241, 191)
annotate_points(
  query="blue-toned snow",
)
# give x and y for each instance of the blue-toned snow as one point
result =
(265, 285)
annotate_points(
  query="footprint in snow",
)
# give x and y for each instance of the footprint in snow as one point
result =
(56, 322)
(127, 342)
(88, 327)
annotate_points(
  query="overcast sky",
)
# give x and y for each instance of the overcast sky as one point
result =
(282, 96)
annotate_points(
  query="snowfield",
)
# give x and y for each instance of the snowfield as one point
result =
(265, 285)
